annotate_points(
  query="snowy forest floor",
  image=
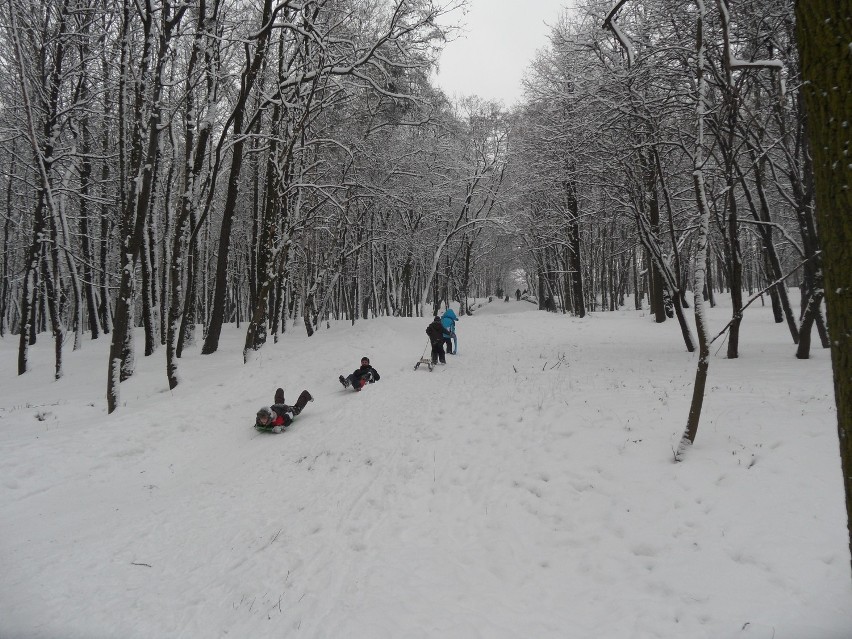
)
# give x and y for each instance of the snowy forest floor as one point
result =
(525, 489)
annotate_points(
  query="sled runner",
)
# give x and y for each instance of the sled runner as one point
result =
(425, 360)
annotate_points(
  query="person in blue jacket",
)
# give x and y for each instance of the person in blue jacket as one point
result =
(448, 321)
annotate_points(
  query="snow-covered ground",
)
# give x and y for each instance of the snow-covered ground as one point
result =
(525, 490)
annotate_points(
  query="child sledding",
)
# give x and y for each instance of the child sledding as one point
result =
(364, 375)
(280, 415)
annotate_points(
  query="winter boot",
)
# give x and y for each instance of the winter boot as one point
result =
(344, 381)
(303, 400)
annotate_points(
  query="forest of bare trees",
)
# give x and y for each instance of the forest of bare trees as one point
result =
(174, 166)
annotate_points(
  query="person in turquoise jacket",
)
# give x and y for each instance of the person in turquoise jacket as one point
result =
(448, 321)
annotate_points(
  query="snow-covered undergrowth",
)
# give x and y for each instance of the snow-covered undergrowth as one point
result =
(526, 489)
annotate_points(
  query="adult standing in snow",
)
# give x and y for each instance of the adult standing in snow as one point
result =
(518, 295)
(435, 331)
(448, 321)
(366, 374)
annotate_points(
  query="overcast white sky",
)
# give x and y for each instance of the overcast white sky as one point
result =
(500, 41)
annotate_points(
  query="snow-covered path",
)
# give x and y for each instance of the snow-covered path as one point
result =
(526, 489)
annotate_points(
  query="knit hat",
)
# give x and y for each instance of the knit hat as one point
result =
(265, 412)
(437, 319)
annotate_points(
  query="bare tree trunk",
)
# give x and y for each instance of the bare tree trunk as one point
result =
(709, 286)
(575, 264)
(85, 171)
(107, 219)
(7, 232)
(28, 295)
(653, 204)
(135, 215)
(148, 268)
(253, 65)
(701, 327)
(53, 293)
(824, 33)
(761, 215)
(196, 137)
(736, 272)
(43, 152)
(62, 242)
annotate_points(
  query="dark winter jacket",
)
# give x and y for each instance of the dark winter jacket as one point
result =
(283, 409)
(435, 332)
(366, 373)
(448, 321)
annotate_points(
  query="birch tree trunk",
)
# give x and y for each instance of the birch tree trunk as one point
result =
(700, 259)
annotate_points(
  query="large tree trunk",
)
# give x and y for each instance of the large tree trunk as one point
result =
(220, 289)
(41, 117)
(148, 269)
(575, 261)
(196, 137)
(28, 296)
(824, 32)
(85, 170)
(137, 207)
(736, 268)
(656, 298)
(217, 314)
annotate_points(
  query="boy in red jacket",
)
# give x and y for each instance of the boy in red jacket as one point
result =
(277, 418)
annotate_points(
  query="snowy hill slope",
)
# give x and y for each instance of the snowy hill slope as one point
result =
(526, 489)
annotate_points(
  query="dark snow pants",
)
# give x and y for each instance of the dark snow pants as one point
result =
(357, 383)
(438, 353)
(448, 345)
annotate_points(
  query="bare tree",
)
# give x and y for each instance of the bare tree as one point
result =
(158, 26)
(824, 32)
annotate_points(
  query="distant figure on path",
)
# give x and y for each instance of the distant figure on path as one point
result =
(518, 295)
